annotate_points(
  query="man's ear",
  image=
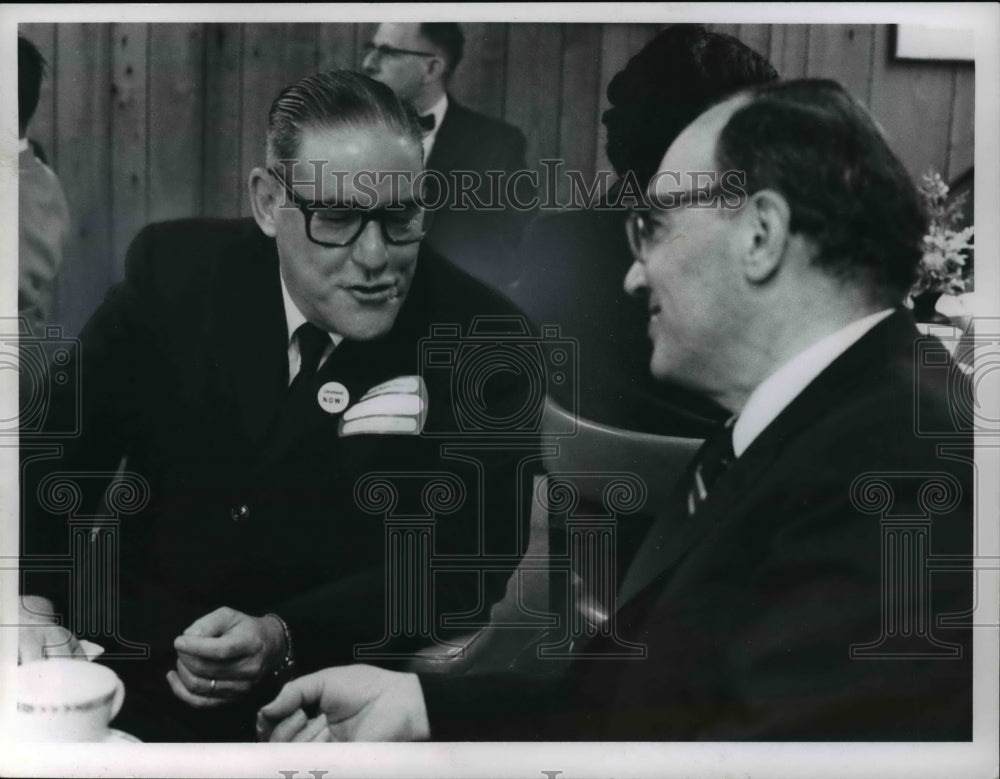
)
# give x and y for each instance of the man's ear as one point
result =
(767, 216)
(434, 70)
(263, 200)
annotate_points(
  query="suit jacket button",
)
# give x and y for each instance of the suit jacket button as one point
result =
(239, 513)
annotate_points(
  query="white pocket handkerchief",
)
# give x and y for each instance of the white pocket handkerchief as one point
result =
(397, 406)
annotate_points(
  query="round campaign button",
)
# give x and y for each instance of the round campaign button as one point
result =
(333, 397)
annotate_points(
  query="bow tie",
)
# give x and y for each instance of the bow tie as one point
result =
(427, 122)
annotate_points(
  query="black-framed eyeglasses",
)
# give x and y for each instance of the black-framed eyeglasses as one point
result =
(391, 51)
(336, 226)
(641, 223)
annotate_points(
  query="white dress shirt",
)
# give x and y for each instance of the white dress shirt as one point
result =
(438, 110)
(294, 318)
(773, 395)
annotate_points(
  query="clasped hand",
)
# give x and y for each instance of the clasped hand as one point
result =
(223, 655)
(350, 703)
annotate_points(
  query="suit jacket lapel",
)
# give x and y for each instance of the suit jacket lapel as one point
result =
(250, 339)
(880, 350)
(449, 139)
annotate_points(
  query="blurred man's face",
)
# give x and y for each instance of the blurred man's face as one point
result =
(404, 73)
(355, 290)
(684, 264)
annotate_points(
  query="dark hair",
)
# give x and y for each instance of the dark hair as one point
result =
(667, 85)
(30, 69)
(816, 145)
(448, 37)
(335, 98)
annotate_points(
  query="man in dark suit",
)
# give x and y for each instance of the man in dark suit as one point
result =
(475, 222)
(264, 381)
(789, 595)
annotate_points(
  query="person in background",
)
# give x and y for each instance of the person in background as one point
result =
(574, 260)
(257, 374)
(795, 603)
(417, 61)
(43, 213)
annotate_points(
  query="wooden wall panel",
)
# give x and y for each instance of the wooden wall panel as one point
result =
(913, 102)
(83, 148)
(223, 181)
(337, 47)
(480, 81)
(129, 137)
(961, 139)
(274, 56)
(580, 121)
(843, 53)
(176, 104)
(789, 52)
(534, 86)
(156, 121)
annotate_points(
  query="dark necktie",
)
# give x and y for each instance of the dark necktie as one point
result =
(427, 122)
(709, 463)
(312, 342)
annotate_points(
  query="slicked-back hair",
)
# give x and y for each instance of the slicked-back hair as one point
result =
(448, 37)
(30, 70)
(811, 141)
(330, 100)
(667, 85)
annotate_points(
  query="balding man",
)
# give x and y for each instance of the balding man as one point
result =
(781, 234)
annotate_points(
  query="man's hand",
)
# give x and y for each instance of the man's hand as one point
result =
(350, 703)
(39, 636)
(223, 655)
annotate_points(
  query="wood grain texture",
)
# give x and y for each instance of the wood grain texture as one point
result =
(913, 103)
(843, 53)
(149, 122)
(129, 137)
(176, 105)
(223, 180)
(479, 82)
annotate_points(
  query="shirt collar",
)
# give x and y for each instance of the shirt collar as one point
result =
(295, 318)
(438, 111)
(22, 144)
(773, 395)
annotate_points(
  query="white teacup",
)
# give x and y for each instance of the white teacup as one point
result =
(66, 700)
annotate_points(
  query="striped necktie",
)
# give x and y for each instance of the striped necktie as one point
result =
(712, 460)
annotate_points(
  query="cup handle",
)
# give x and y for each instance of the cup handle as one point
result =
(119, 699)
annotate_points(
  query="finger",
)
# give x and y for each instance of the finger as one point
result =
(239, 670)
(215, 623)
(203, 686)
(289, 728)
(222, 649)
(293, 696)
(314, 730)
(191, 699)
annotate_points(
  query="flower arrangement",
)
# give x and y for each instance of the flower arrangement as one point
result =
(944, 268)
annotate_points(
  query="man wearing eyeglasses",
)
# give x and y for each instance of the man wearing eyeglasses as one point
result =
(263, 380)
(417, 61)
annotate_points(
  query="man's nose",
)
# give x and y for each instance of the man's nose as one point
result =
(368, 63)
(370, 251)
(635, 280)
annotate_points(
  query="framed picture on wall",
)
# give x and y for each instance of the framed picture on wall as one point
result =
(921, 42)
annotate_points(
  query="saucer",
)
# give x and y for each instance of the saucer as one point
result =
(119, 737)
